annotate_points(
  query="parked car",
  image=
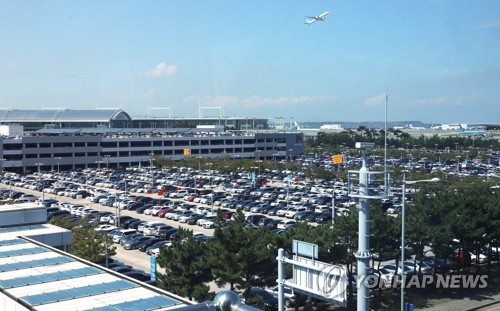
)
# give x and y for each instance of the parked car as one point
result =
(260, 298)
(291, 299)
(286, 224)
(420, 267)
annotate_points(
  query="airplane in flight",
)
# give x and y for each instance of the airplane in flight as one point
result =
(313, 19)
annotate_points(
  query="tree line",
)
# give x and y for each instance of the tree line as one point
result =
(446, 218)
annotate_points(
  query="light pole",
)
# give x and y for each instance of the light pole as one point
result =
(98, 164)
(107, 160)
(211, 186)
(58, 159)
(3, 160)
(151, 157)
(407, 182)
(39, 176)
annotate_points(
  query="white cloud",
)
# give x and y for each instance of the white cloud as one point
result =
(162, 69)
(375, 100)
(150, 93)
(254, 101)
(442, 101)
(490, 24)
(282, 101)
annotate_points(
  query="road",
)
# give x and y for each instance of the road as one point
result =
(134, 258)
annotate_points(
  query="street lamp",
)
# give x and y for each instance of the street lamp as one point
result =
(407, 182)
(107, 156)
(39, 176)
(3, 160)
(58, 159)
(98, 164)
(151, 157)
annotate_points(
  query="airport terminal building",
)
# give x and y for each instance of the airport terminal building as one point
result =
(106, 144)
(33, 120)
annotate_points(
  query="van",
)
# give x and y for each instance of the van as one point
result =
(121, 233)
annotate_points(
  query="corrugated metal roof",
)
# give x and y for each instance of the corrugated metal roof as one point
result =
(63, 115)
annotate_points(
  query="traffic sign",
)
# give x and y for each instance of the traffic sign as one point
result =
(337, 159)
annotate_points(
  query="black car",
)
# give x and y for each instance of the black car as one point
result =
(134, 206)
(136, 224)
(126, 223)
(135, 242)
(140, 210)
(166, 233)
(272, 211)
(254, 219)
(124, 219)
(312, 217)
(260, 298)
(273, 224)
(144, 245)
(191, 220)
(302, 215)
(58, 213)
(138, 275)
(122, 268)
(324, 218)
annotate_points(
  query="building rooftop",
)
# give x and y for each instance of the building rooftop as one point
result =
(62, 115)
(42, 278)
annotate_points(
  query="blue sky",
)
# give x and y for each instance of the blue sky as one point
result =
(438, 60)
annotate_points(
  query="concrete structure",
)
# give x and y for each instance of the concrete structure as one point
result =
(50, 149)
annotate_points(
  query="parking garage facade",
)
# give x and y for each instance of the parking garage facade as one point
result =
(49, 150)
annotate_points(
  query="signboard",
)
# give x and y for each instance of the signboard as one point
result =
(337, 159)
(152, 262)
(187, 151)
(305, 249)
(319, 280)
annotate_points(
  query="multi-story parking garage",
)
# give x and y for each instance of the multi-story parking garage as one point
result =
(54, 149)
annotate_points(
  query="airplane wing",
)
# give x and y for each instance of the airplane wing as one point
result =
(310, 21)
(322, 16)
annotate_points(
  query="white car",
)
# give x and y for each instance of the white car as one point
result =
(201, 222)
(291, 213)
(285, 224)
(153, 211)
(474, 257)
(209, 224)
(179, 214)
(105, 228)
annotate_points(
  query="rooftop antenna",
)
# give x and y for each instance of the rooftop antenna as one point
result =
(169, 109)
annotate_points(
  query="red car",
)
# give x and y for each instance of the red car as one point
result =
(227, 215)
(164, 211)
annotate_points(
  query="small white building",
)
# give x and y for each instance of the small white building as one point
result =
(11, 130)
(453, 126)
